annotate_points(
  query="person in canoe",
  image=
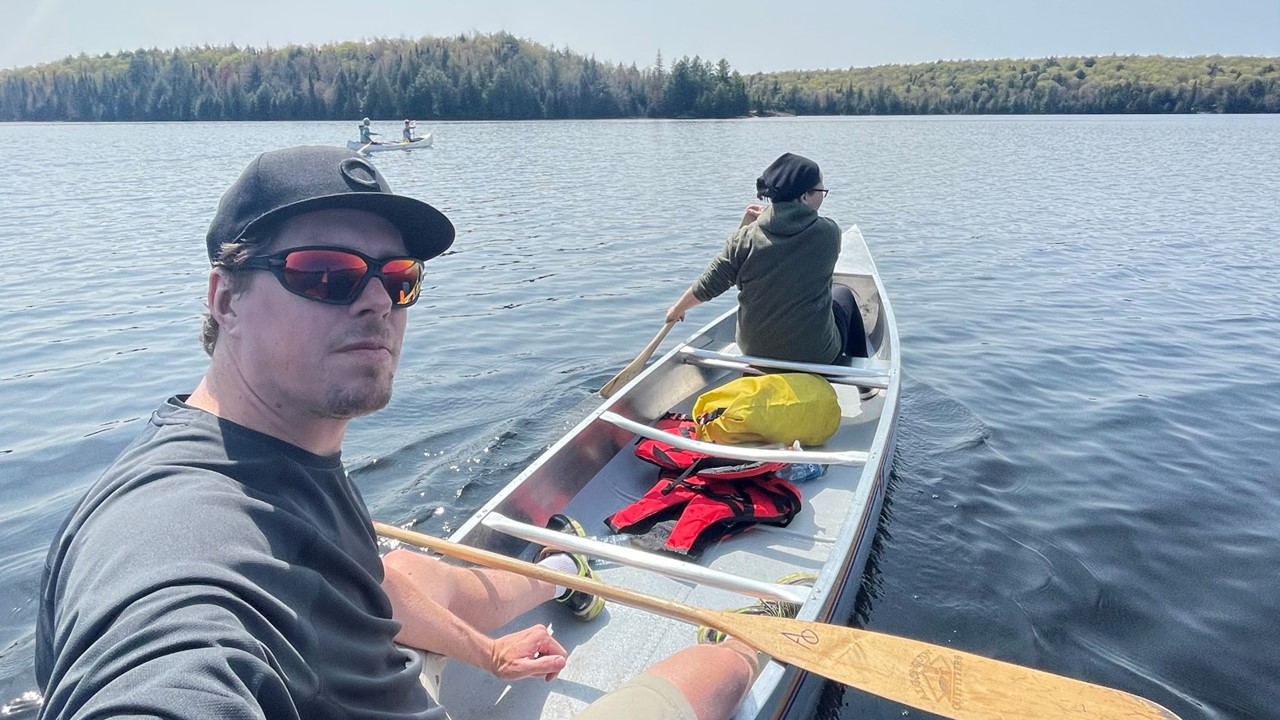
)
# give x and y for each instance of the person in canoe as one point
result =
(407, 133)
(367, 136)
(224, 565)
(782, 258)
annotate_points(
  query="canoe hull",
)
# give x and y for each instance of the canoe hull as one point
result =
(592, 471)
(422, 142)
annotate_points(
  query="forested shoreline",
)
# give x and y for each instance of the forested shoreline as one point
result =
(501, 77)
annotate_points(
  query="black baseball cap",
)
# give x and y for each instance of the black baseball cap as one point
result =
(283, 183)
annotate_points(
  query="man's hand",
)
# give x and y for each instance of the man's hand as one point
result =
(527, 653)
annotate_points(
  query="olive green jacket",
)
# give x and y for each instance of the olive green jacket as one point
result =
(782, 266)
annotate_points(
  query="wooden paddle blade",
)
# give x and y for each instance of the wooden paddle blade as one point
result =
(633, 369)
(943, 681)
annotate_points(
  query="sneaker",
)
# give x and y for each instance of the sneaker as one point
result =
(867, 393)
(584, 606)
(775, 608)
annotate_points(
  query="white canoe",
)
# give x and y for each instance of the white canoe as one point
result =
(422, 142)
(592, 472)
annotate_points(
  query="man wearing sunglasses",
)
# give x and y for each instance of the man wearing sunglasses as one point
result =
(225, 566)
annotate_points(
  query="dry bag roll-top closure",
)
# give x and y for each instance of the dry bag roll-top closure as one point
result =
(711, 498)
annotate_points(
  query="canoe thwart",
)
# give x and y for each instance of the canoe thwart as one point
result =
(632, 557)
(738, 452)
(869, 372)
(745, 369)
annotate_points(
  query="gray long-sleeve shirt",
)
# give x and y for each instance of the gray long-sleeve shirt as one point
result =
(782, 265)
(216, 572)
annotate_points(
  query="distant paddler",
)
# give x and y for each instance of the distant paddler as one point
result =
(367, 137)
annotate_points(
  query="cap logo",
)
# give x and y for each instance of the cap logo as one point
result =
(359, 172)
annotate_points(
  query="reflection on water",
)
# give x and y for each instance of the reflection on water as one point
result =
(1084, 479)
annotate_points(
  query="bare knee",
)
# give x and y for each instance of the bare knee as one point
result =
(714, 678)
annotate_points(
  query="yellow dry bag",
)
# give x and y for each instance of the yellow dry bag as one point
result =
(781, 407)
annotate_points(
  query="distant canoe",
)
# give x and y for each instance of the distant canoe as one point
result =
(422, 142)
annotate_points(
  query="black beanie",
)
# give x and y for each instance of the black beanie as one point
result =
(789, 177)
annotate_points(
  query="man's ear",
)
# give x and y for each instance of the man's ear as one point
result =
(223, 307)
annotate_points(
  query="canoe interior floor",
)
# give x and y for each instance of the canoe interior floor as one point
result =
(622, 641)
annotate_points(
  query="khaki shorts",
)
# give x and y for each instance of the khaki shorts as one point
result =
(644, 697)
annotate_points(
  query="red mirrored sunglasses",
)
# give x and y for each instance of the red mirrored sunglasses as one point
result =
(338, 276)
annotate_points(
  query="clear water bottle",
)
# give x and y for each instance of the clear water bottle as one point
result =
(615, 539)
(797, 473)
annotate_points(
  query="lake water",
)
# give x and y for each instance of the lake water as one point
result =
(1086, 477)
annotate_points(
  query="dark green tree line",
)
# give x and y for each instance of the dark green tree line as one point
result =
(501, 77)
(1109, 84)
(471, 77)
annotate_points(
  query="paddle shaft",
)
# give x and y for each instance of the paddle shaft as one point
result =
(634, 368)
(502, 562)
(940, 680)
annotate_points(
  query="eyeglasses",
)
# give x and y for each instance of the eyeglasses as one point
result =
(824, 191)
(337, 276)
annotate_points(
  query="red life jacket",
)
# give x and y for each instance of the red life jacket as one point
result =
(715, 497)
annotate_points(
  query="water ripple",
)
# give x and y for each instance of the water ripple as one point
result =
(1085, 476)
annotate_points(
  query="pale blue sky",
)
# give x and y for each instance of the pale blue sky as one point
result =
(753, 35)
